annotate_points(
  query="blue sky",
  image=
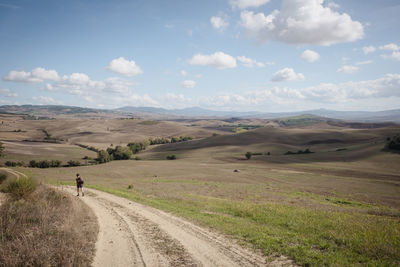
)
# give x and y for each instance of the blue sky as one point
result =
(244, 55)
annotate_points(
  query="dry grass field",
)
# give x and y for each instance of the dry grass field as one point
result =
(338, 206)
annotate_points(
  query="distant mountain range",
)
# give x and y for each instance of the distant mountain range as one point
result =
(197, 112)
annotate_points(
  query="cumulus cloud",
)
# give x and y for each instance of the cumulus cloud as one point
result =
(37, 75)
(327, 93)
(395, 55)
(333, 5)
(184, 73)
(390, 47)
(219, 23)
(302, 22)
(188, 84)
(45, 100)
(366, 62)
(243, 4)
(249, 62)
(219, 60)
(347, 69)
(310, 56)
(287, 74)
(368, 49)
(125, 67)
(81, 84)
(7, 93)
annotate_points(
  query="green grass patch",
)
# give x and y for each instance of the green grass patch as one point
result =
(310, 237)
(149, 122)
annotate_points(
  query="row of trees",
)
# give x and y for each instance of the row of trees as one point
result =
(165, 140)
(393, 143)
(132, 148)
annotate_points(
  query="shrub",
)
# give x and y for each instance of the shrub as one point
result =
(103, 156)
(1, 149)
(393, 143)
(73, 163)
(10, 163)
(171, 157)
(248, 155)
(130, 186)
(32, 163)
(3, 177)
(120, 153)
(55, 163)
(21, 187)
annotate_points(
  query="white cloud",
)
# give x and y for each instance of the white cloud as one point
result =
(302, 22)
(126, 67)
(310, 56)
(368, 49)
(219, 23)
(395, 55)
(188, 84)
(347, 69)
(219, 60)
(249, 62)
(7, 93)
(390, 47)
(184, 73)
(81, 84)
(37, 75)
(387, 86)
(333, 5)
(243, 4)
(45, 100)
(287, 74)
(366, 62)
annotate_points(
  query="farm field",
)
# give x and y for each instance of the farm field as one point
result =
(339, 205)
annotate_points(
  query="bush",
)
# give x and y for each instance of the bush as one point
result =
(248, 155)
(73, 163)
(393, 143)
(103, 156)
(120, 153)
(3, 177)
(171, 157)
(21, 187)
(10, 163)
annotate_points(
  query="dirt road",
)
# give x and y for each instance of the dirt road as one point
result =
(132, 234)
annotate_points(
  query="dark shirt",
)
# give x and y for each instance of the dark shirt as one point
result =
(79, 181)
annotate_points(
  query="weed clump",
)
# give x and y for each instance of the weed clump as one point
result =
(20, 188)
(171, 157)
(43, 231)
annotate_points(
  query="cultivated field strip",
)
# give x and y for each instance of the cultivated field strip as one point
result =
(132, 234)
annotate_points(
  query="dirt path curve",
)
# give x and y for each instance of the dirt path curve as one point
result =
(132, 234)
(13, 172)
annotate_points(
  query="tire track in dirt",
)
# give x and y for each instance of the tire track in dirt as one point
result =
(132, 234)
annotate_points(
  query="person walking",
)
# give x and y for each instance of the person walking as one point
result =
(79, 184)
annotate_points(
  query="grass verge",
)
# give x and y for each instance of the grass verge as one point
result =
(44, 227)
(310, 237)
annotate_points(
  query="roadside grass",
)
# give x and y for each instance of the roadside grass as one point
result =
(311, 237)
(44, 227)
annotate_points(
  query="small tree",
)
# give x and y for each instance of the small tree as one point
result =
(248, 155)
(32, 163)
(103, 156)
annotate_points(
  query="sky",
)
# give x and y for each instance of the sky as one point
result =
(241, 55)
